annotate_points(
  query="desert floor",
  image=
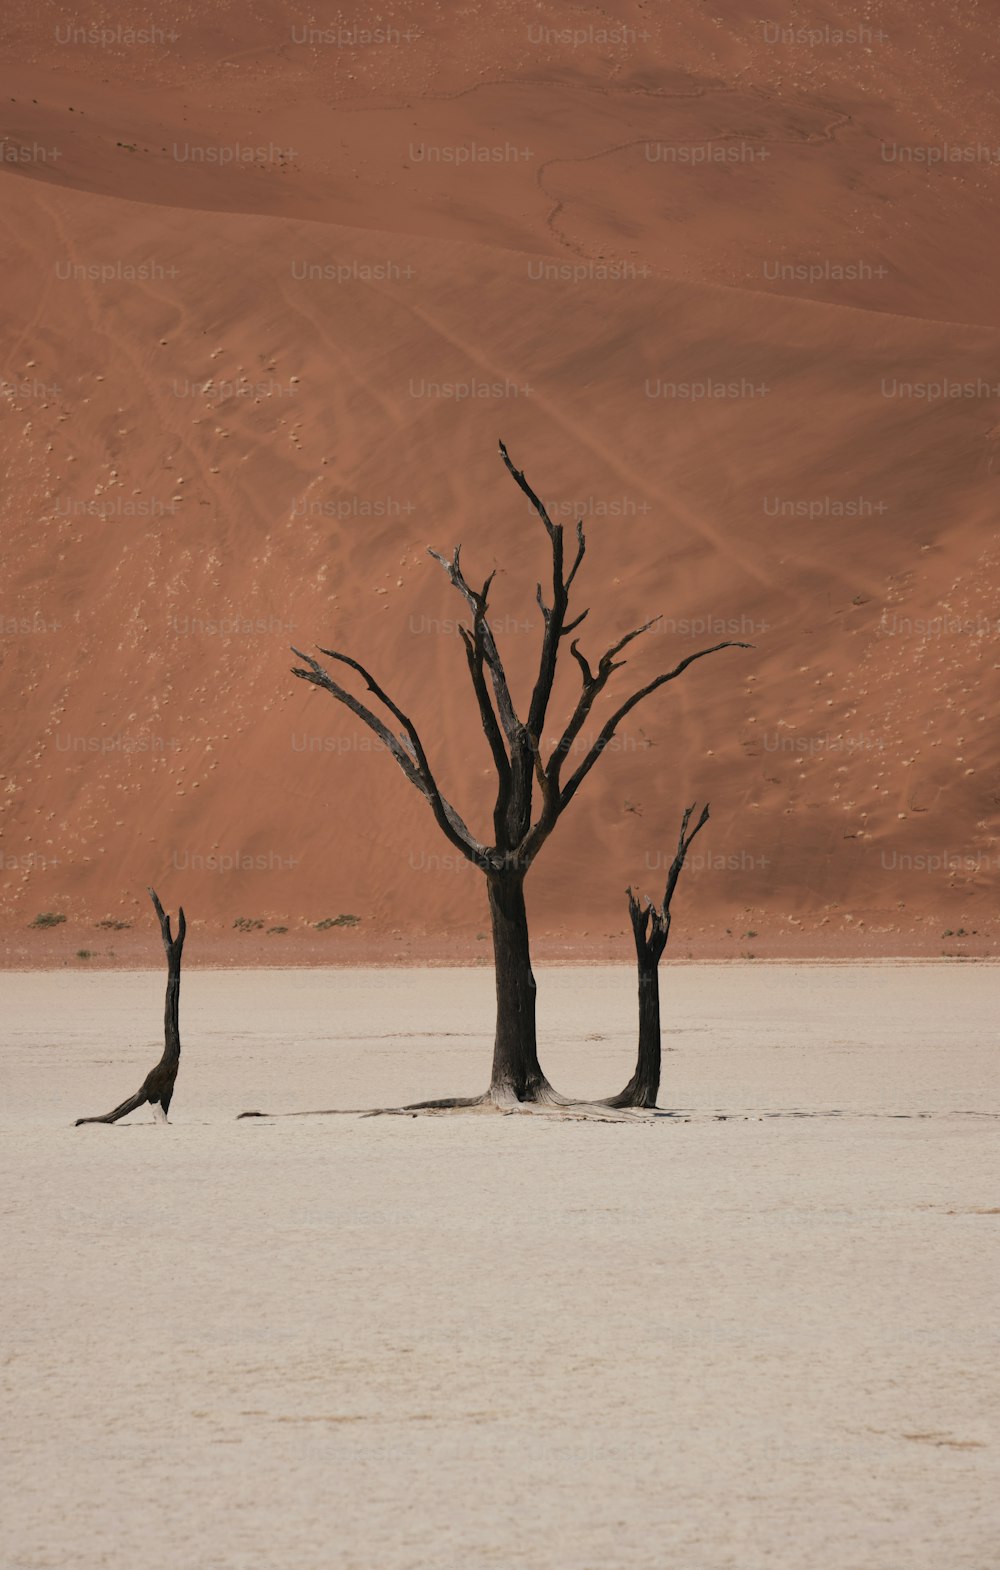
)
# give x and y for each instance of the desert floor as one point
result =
(760, 1333)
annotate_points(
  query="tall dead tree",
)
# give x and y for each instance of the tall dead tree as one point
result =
(525, 779)
(651, 929)
(158, 1086)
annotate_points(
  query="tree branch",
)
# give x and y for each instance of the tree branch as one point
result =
(474, 655)
(170, 943)
(555, 627)
(535, 501)
(640, 917)
(593, 684)
(651, 927)
(407, 749)
(611, 725)
(477, 604)
(683, 846)
(581, 551)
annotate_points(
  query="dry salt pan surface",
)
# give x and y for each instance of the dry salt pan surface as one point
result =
(761, 1334)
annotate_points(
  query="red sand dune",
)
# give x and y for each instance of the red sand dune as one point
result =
(231, 425)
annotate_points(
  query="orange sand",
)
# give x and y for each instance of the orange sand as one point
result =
(226, 432)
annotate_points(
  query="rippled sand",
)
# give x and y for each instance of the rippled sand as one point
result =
(761, 1334)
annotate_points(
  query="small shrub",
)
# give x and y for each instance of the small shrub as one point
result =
(48, 918)
(84, 954)
(111, 924)
(276, 929)
(247, 924)
(337, 921)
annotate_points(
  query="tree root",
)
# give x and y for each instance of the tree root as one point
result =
(547, 1103)
(578, 1111)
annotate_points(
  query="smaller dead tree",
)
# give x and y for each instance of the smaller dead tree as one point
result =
(651, 929)
(158, 1086)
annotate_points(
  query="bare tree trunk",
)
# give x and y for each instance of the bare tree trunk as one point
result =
(158, 1087)
(516, 1072)
(643, 1088)
(651, 929)
(171, 1014)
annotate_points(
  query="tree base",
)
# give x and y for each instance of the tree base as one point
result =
(578, 1111)
(548, 1103)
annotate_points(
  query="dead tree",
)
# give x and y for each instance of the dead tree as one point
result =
(515, 743)
(158, 1086)
(651, 929)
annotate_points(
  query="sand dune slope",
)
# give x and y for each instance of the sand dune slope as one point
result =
(242, 396)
